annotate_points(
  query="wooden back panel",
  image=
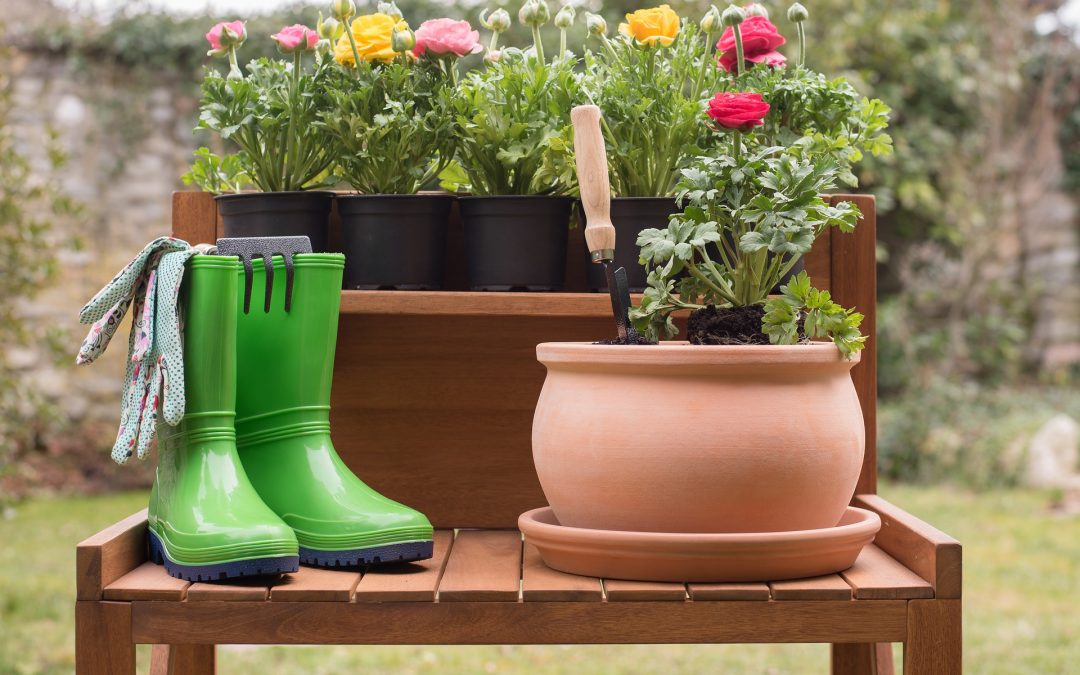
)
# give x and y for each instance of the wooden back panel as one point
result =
(434, 392)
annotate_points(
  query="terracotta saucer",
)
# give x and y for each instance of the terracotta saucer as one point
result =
(715, 558)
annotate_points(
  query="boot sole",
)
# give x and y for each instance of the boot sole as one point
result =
(255, 567)
(375, 555)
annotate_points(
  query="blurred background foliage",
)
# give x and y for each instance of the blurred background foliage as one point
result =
(986, 125)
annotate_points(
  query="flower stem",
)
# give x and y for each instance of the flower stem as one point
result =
(736, 145)
(802, 44)
(494, 42)
(538, 44)
(704, 64)
(355, 53)
(607, 44)
(562, 43)
(234, 67)
(737, 32)
(294, 95)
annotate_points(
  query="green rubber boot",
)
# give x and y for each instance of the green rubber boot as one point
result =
(286, 368)
(206, 520)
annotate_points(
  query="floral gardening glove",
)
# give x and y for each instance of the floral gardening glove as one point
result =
(155, 373)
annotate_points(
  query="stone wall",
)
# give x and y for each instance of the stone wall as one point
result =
(127, 141)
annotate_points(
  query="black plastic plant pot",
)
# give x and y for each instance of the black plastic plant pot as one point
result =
(516, 242)
(278, 214)
(630, 215)
(394, 242)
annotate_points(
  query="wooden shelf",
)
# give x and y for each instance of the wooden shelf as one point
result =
(467, 303)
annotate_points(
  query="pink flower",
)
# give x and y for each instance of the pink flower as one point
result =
(446, 36)
(297, 37)
(760, 40)
(225, 35)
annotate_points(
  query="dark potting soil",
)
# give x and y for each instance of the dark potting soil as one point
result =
(727, 326)
(634, 338)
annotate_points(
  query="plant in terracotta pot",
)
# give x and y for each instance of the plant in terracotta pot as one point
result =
(270, 113)
(650, 81)
(390, 121)
(753, 426)
(514, 121)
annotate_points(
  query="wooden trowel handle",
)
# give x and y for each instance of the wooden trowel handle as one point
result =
(592, 172)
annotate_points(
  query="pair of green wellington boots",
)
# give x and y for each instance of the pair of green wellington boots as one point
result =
(249, 483)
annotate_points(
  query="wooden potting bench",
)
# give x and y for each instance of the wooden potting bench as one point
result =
(432, 405)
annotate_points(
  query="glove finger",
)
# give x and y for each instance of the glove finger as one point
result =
(129, 414)
(148, 425)
(120, 286)
(167, 335)
(144, 339)
(101, 333)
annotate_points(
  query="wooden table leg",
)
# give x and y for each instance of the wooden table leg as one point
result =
(934, 645)
(182, 660)
(862, 659)
(103, 644)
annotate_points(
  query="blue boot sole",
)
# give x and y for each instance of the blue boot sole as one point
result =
(376, 555)
(256, 567)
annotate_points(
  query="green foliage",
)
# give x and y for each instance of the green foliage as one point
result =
(514, 121)
(392, 125)
(215, 174)
(818, 117)
(652, 103)
(29, 200)
(801, 303)
(272, 114)
(748, 219)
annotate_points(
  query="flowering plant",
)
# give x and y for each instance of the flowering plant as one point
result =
(389, 117)
(270, 113)
(753, 207)
(514, 116)
(649, 82)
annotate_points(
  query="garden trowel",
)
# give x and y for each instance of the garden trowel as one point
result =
(592, 172)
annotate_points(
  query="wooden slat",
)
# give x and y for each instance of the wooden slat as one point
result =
(876, 576)
(540, 583)
(314, 584)
(934, 641)
(922, 548)
(239, 591)
(484, 565)
(854, 284)
(750, 591)
(147, 582)
(109, 555)
(520, 622)
(194, 217)
(414, 582)
(818, 262)
(828, 587)
(465, 303)
(619, 590)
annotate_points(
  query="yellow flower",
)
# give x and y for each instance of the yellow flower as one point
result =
(656, 26)
(372, 33)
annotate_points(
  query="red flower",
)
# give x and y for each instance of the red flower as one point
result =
(760, 40)
(740, 111)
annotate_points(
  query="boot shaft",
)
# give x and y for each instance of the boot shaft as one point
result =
(286, 359)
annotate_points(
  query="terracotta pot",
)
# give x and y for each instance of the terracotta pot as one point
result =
(681, 438)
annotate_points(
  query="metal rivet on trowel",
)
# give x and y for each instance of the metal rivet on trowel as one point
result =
(248, 248)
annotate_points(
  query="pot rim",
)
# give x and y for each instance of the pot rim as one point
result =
(682, 353)
(516, 197)
(861, 522)
(341, 196)
(259, 193)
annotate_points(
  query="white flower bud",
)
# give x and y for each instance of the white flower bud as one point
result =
(497, 22)
(329, 28)
(565, 17)
(595, 24)
(389, 9)
(711, 21)
(732, 16)
(402, 39)
(534, 13)
(756, 9)
(797, 13)
(342, 10)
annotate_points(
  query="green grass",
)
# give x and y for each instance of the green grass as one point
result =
(1021, 591)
